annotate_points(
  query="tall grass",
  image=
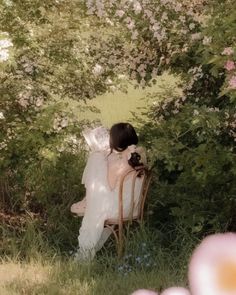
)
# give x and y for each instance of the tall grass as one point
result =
(148, 262)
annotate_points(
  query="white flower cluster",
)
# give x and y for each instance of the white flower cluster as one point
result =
(206, 40)
(230, 124)
(164, 21)
(3, 145)
(24, 98)
(2, 116)
(8, 2)
(27, 65)
(60, 123)
(4, 48)
(137, 7)
(195, 74)
(27, 98)
(168, 106)
(10, 135)
(71, 144)
(97, 70)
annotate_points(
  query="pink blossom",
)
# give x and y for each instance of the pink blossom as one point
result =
(183, 19)
(177, 7)
(134, 35)
(144, 292)
(228, 51)
(137, 7)
(120, 13)
(148, 12)
(206, 40)
(156, 27)
(196, 36)
(130, 25)
(176, 291)
(229, 65)
(164, 16)
(232, 82)
(97, 70)
(212, 269)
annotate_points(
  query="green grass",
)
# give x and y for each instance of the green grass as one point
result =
(119, 106)
(148, 263)
(67, 277)
(64, 276)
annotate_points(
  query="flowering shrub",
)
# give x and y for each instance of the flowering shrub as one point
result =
(55, 52)
(158, 34)
(45, 64)
(191, 136)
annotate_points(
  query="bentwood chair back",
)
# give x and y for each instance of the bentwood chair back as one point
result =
(136, 205)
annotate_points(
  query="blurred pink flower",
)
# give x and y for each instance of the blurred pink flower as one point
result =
(229, 65)
(176, 291)
(137, 7)
(232, 82)
(144, 292)
(228, 51)
(212, 269)
(120, 13)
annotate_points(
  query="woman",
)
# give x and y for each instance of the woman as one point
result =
(101, 179)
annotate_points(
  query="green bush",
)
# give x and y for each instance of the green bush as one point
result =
(191, 137)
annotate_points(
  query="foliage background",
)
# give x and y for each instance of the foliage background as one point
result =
(63, 54)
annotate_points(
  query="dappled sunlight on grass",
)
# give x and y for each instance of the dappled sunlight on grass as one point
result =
(36, 278)
(100, 277)
(17, 277)
(118, 106)
(146, 264)
(11, 271)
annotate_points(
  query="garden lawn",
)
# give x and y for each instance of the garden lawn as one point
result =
(68, 277)
(120, 106)
(148, 262)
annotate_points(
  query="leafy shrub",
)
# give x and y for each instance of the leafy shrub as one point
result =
(191, 137)
(51, 56)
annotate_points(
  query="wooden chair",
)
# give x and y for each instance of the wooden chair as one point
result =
(117, 225)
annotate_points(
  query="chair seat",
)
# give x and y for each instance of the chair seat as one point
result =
(116, 221)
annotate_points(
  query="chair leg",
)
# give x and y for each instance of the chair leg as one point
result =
(113, 230)
(120, 247)
(119, 239)
(120, 244)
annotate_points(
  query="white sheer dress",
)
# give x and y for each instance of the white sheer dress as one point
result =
(101, 179)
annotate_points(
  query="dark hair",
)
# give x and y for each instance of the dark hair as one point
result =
(123, 135)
